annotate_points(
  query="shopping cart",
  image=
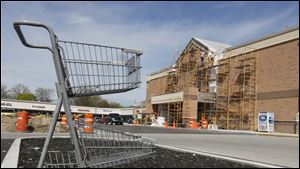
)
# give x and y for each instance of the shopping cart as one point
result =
(84, 69)
(103, 148)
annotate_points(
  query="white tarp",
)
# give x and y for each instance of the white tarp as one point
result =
(159, 122)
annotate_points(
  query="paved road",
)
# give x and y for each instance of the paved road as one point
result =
(282, 151)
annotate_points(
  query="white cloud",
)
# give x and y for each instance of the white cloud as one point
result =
(109, 24)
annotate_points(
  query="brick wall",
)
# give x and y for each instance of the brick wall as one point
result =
(155, 87)
(285, 127)
(278, 67)
(278, 83)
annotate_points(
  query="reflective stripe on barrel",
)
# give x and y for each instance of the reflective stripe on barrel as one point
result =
(88, 123)
(64, 120)
(22, 121)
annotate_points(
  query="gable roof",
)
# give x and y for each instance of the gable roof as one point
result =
(211, 45)
(214, 48)
(276, 34)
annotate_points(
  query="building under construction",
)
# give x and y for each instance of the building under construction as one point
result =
(230, 85)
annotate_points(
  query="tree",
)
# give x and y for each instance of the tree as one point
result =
(19, 89)
(103, 103)
(43, 94)
(26, 96)
(95, 101)
(90, 101)
(4, 92)
(115, 105)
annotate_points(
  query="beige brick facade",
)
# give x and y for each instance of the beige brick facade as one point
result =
(277, 84)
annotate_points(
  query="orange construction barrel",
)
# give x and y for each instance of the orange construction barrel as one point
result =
(88, 123)
(193, 124)
(204, 123)
(22, 121)
(88, 118)
(88, 129)
(64, 120)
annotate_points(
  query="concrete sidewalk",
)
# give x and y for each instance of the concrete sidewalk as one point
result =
(14, 135)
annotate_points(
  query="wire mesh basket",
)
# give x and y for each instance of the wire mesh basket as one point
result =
(103, 148)
(96, 69)
(84, 69)
(59, 159)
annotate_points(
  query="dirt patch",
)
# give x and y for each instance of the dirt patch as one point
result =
(35, 124)
(162, 158)
(8, 123)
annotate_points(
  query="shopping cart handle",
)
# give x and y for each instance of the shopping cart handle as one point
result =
(17, 27)
(137, 52)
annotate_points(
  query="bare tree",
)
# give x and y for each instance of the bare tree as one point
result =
(43, 94)
(95, 101)
(4, 92)
(18, 89)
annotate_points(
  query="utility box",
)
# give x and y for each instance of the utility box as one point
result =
(266, 121)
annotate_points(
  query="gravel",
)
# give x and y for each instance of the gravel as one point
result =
(162, 158)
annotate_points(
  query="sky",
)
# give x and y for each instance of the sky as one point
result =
(160, 29)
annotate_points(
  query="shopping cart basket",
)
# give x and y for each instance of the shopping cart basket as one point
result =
(103, 148)
(84, 69)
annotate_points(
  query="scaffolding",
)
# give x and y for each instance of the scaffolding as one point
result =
(172, 81)
(186, 67)
(192, 70)
(248, 69)
(181, 79)
(222, 92)
(234, 104)
(175, 113)
(237, 90)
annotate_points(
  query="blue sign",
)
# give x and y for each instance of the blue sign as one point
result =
(263, 118)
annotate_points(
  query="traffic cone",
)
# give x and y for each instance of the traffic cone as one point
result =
(166, 124)
(174, 125)
(194, 125)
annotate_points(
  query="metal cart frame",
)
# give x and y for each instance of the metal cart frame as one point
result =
(67, 88)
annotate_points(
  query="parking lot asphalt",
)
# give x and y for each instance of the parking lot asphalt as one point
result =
(280, 151)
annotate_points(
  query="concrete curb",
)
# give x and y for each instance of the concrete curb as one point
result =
(256, 133)
(233, 159)
(278, 135)
(12, 155)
